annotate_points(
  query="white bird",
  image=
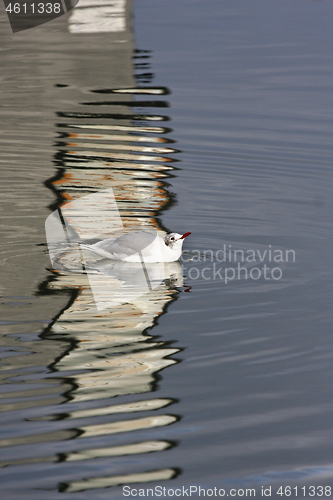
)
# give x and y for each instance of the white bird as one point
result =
(140, 246)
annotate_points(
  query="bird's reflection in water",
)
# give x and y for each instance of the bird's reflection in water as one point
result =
(131, 282)
(114, 282)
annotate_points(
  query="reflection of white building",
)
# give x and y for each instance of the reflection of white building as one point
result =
(96, 368)
(98, 16)
(102, 148)
(114, 355)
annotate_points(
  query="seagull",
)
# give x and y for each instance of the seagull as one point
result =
(140, 246)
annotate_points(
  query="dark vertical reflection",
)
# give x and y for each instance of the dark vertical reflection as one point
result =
(106, 138)
(110, 144)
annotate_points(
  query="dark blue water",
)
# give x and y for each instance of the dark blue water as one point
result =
(213, 118)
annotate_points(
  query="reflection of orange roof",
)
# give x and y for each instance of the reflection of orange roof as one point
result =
(67, 196)
(63, 180)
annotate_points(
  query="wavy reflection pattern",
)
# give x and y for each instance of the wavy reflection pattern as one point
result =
(105, 354)
(108, 145)
(116, 138)
(112, 139)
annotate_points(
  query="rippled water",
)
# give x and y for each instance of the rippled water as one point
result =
(214, 118)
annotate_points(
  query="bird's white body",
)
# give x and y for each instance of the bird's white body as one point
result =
(140, 246)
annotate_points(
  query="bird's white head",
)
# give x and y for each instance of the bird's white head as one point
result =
(175, 240)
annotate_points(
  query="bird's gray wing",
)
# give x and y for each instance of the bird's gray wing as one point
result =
(104, 244)
(128, 244)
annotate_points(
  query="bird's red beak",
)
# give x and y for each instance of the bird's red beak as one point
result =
(184, 236)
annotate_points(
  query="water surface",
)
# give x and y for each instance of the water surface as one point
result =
(213, 118)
